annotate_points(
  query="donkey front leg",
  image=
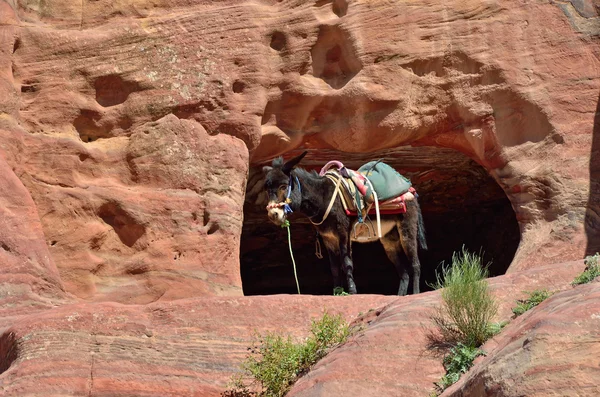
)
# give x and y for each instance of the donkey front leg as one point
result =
(332, 243)
(334, 264)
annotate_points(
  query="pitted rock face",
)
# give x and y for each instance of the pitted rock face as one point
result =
(87, 80)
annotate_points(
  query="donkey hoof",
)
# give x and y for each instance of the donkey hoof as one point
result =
(351, 287)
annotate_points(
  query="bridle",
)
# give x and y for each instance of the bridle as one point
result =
(288, 200)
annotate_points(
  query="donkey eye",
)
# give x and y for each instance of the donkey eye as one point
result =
(282, 187)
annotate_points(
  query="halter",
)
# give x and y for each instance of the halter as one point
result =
(288, 200)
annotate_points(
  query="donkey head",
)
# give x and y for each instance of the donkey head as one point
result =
(277, 181)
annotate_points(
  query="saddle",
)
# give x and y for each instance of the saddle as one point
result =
(374, 184)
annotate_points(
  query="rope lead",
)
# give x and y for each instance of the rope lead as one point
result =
(286, 225)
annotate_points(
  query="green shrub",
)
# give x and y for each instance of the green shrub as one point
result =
(339, 291)
(275, 362)
(464, 319)
(467, 306)
(457, 362)
(535, 298)
(592, 270)
(495, 328)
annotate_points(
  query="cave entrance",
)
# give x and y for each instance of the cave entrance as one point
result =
(462, 205)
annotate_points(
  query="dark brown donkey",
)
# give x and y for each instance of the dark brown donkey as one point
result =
(295, 189)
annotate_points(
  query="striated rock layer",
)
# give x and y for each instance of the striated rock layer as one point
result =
(392, 358)
(192, 346)
(189, 347)
(550, 351)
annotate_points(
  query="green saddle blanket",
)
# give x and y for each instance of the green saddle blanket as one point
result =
(387, 182)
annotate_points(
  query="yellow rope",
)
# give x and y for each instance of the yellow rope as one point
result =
(286, 224)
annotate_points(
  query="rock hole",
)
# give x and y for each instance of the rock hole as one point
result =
(124, 123)
(214, 227)
(53, 243)
(454, 61)
(517, 119)
(97, 241)
(334, 57)
(87, 139)
(138, 268)
(278, 41)
(190, 110)
(90, 127)
(9, 350)
(340, 7)
(124, 225)
(461, 205)
(25, 88)
(16, 45)
(238, 87)
(557, 138)
(83, 157)
(5, 247)
(113, 90)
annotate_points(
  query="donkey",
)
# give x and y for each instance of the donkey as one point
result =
(295, 189)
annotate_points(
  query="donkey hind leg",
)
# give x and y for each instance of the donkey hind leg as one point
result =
(409, 242)
(393, 249)
(347, 264)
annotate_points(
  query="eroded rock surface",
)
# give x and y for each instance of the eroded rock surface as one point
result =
(391, 358)
(188, 347)
(549, 351)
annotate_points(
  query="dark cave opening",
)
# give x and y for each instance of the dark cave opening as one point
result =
(462, 205)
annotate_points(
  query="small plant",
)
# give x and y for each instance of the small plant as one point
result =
(467, 305)
(457, 362)
(592, 270)
(495, 328)
(275, 362)
(535, 298)
(339, 291)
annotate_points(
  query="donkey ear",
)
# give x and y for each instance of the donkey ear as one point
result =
(266, 169)
(289, 165)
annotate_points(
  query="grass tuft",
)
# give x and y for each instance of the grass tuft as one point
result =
(339, 291)
(592, 270)
(467, 306)
(495, 328)
(275, 362)
(535, 298)
(464, 319)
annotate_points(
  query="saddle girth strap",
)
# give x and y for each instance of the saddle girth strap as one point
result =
(333, 197)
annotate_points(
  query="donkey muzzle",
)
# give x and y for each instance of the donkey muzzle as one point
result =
(276, 213)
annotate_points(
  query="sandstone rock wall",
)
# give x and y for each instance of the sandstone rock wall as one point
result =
(136, 203)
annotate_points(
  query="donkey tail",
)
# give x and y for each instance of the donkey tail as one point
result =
(421, 229)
